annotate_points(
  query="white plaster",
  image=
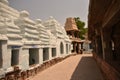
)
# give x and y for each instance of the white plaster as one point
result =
(28, 29)
(59, 32)
(24, 59)
(18, 31)
(50, 54)
(4, 2)
(40, 56)
(8, 12)
(6, 52)
(43, 34)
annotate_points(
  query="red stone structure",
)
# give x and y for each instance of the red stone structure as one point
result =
(104, 32)
(72, 32)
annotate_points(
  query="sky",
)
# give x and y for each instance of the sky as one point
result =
(59, 9)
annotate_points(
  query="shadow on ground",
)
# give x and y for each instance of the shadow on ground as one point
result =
(87, 69)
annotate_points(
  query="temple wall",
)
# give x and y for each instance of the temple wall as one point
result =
(104, 34)
(27, 46)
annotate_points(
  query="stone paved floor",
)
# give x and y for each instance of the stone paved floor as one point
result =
(79, 67)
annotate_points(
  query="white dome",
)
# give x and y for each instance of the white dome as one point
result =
(24, 13)
(51, 17)
(38, 21)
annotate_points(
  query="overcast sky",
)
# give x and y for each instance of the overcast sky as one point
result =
(59, 9)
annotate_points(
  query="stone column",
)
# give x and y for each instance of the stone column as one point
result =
(20, 56)
(82, 45)
(50, 53)
(69, 49)
(40, 55)
(6, 55)
(57, 51)
(24, 58)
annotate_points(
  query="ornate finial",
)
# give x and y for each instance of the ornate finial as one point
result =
(24, 13)
(38, 21)
(51, 17)
(5, 2)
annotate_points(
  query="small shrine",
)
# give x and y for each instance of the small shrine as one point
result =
(72, 32)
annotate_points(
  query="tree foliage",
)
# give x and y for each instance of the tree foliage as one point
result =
(81, 27)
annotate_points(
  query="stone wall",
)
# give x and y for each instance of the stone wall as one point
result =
(109, 72)
(27, 41)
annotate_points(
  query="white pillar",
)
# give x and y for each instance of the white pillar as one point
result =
(6, 55)
(41, 56)
(50, 53)
(58, 51)
(20, 57)
(24, 59)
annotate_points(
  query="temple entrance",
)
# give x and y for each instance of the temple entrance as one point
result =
(1, 62)
(33, 56)
(61, 48)
(14, 57)
(74, 46)
(45, 54)
(53, 52)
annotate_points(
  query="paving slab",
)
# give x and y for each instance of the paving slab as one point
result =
(79, 67)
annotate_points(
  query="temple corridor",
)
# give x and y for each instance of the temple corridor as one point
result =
(78, 67)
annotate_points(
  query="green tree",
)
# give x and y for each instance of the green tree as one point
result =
(81, 27)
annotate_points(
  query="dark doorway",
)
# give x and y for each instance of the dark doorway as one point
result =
(45, 54)
(33, 56)
(61, 48)
(66, 48)
(53, 52)
(14, 57)
(1, 62)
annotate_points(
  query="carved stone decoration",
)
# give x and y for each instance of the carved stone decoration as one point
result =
(5, 2)
(43, 34)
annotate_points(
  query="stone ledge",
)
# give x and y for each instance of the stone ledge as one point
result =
(28, 74)
(108, 71)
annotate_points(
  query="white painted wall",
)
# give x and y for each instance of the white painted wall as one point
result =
(24, 59)
(6, 54)
(29, 34)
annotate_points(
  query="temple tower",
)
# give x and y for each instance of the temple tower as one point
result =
(72, 32)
